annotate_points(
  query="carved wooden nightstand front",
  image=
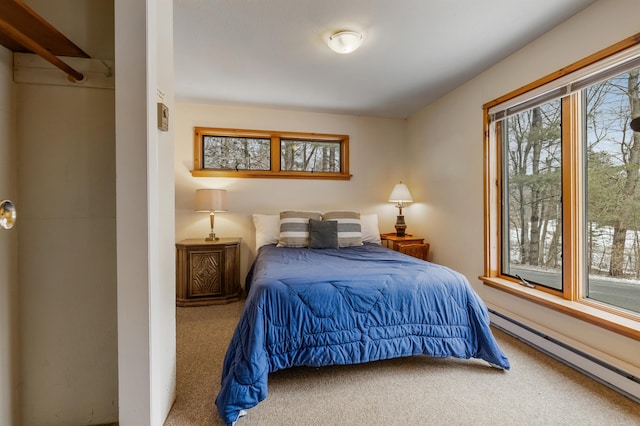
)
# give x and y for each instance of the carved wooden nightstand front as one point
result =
(207, 272)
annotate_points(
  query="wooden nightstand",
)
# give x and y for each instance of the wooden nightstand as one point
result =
(413, 246)
(207, 272)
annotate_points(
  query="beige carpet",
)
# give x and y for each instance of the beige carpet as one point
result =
(409, 391)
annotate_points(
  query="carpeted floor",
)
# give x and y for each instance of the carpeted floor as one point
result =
(409, 391)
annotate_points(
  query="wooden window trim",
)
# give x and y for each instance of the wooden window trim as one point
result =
(276, 137)
(591, 312)
(570, 301)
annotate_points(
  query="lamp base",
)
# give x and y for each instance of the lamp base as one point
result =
(212, 235)
(400, 226)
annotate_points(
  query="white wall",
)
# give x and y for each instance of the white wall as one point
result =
(445, 155)
(134, 379)
(145, 218)
(376, 162)
(66, 256)
(9, 354)
(161, 192)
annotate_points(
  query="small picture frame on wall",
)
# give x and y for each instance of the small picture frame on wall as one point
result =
(163, 117)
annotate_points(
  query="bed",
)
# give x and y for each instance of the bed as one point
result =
(348, 305)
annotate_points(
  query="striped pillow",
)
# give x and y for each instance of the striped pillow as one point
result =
(294, 228)
(349, 229)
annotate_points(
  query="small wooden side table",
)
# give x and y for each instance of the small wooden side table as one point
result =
(413, 246)
(207, 272)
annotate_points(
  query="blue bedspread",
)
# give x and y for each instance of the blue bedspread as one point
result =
(346, 306)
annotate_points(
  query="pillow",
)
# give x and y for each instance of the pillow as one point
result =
(323, 234)
(294, 228)
(349, 229)
(370, 230)
(267, 229)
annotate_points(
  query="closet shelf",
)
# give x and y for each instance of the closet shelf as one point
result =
(23, 30)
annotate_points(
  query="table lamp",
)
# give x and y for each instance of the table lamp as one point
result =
(211, 200)
(400, 195)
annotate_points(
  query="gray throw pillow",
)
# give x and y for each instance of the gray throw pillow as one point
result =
(323, 234)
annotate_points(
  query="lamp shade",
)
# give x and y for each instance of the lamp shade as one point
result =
(211, 200)
(345, 41)
(400, 194)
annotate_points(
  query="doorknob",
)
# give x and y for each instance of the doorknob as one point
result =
(7, 214)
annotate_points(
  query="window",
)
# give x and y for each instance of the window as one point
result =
(257, 153)
(235, 153)
(562, 190)
(532, 195)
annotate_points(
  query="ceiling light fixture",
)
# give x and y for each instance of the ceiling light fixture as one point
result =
(345, 41)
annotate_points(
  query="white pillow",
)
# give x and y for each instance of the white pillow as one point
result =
(369, 226)
(267, 229)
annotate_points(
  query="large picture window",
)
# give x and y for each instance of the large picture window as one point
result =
(562, 190)
(612, 163)
(256, 153)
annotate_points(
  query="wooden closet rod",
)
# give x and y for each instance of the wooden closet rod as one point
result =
(35, 47)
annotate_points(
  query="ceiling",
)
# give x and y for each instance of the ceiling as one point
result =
(274, 53)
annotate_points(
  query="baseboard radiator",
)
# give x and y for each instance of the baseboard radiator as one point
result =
(597, 369)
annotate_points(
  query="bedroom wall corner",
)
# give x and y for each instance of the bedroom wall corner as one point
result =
(9, 326)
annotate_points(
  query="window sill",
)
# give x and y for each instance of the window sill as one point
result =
(583, 310)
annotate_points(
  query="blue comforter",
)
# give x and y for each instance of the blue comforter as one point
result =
(347, 306)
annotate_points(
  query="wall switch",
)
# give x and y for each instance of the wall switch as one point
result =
(163, 117)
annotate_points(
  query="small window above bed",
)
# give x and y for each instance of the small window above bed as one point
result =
(267, 154)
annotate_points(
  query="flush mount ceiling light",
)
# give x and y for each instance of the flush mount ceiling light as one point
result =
(345, 41)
